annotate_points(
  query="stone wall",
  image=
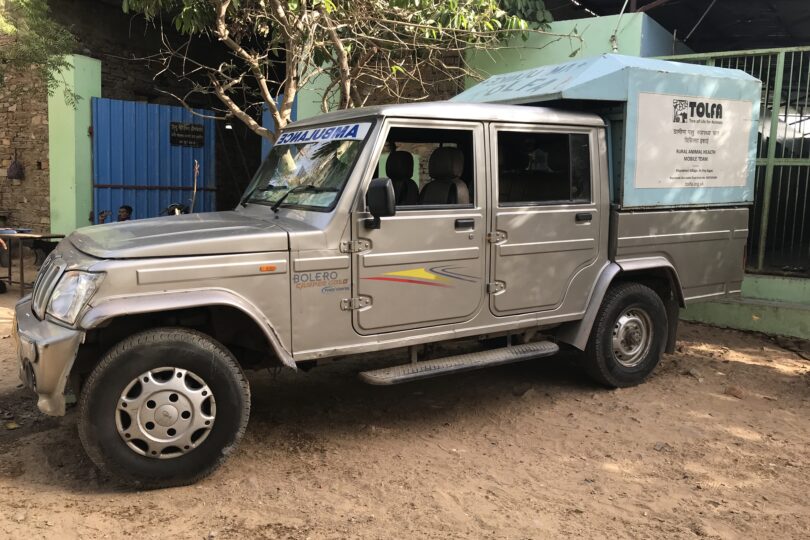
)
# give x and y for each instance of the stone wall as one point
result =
(121, 42)
(24, 129)
(103, 31)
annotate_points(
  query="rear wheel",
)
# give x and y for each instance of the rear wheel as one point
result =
(163, 408)
(628, 336)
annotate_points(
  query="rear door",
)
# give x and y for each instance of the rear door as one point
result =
(424, 266)
(545, 218)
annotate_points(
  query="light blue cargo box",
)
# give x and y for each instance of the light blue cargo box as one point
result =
(679, 134)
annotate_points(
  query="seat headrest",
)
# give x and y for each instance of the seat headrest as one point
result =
(399, 165)
(446, 163)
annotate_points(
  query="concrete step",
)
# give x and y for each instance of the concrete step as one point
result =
(769, 317)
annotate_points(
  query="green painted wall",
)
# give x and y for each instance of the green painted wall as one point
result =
(555, 48)
(636, 35)
(70, 146)
(658, 41)
(310, 97)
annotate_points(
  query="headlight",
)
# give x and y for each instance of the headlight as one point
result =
(71, 294)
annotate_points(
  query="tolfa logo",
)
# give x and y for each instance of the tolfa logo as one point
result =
(685, 110)
(681, 107)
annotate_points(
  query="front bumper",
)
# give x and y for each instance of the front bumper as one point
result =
(46, 352)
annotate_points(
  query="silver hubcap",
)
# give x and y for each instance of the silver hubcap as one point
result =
(165, 413)
(632, 336)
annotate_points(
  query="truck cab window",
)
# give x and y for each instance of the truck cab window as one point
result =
(429, 167)
(543, 168)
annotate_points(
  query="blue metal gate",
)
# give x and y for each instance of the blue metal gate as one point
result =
(143, 157)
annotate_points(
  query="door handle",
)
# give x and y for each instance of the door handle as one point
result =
(583, 217)
(465, 224)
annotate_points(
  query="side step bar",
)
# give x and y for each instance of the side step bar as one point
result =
(456, 364)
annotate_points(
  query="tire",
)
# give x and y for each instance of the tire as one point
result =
(186, 399)
(627, 309)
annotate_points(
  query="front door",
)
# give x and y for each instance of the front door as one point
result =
(545, 218)
(424, 266)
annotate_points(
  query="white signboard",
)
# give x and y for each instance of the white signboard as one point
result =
(690, 142)
(346, 132)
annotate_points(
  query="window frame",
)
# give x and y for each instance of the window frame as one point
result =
(497, 128)
(436, 124)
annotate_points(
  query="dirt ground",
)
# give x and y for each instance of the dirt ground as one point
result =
(715, 444)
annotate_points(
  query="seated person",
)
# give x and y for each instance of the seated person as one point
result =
(124, 214)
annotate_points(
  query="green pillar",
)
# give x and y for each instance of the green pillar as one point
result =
(70, 146)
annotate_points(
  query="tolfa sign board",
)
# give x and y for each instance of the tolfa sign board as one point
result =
(688, 133)
(692, 142)
(190, 135)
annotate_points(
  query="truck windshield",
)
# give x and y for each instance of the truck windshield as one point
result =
(318, 159)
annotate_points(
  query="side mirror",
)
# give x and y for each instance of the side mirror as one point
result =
(380, 200)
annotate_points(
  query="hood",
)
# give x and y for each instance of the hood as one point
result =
(212, 233)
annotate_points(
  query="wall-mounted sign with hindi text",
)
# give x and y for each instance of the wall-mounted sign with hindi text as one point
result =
(182, 134)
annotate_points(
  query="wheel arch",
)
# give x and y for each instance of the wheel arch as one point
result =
(653, 269)
(658, 273)
(124, 308)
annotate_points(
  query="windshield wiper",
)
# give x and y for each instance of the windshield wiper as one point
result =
(301, 189)
(248, 195)
(244, 201)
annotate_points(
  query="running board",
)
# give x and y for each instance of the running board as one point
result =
(456, 364)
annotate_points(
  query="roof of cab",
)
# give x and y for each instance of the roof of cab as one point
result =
(446, 110)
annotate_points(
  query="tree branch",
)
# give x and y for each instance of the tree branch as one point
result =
(221, 31)
(342, 62)
(254, 126)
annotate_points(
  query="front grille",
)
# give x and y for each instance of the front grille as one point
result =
(48, 275)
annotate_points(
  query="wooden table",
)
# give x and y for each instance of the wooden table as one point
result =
(20, 237)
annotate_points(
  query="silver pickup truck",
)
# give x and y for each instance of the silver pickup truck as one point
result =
(381, 229)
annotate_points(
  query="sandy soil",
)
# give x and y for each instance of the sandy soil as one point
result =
(715, 444)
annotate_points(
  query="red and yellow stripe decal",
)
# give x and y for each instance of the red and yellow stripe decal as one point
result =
(433, 277)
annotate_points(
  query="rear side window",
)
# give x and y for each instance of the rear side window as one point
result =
(543, 168)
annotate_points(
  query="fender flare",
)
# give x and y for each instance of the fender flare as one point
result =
(152, 303)
(657, 262)
(576, 333)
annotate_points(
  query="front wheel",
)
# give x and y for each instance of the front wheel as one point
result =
(163, 408)
(628, 336)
